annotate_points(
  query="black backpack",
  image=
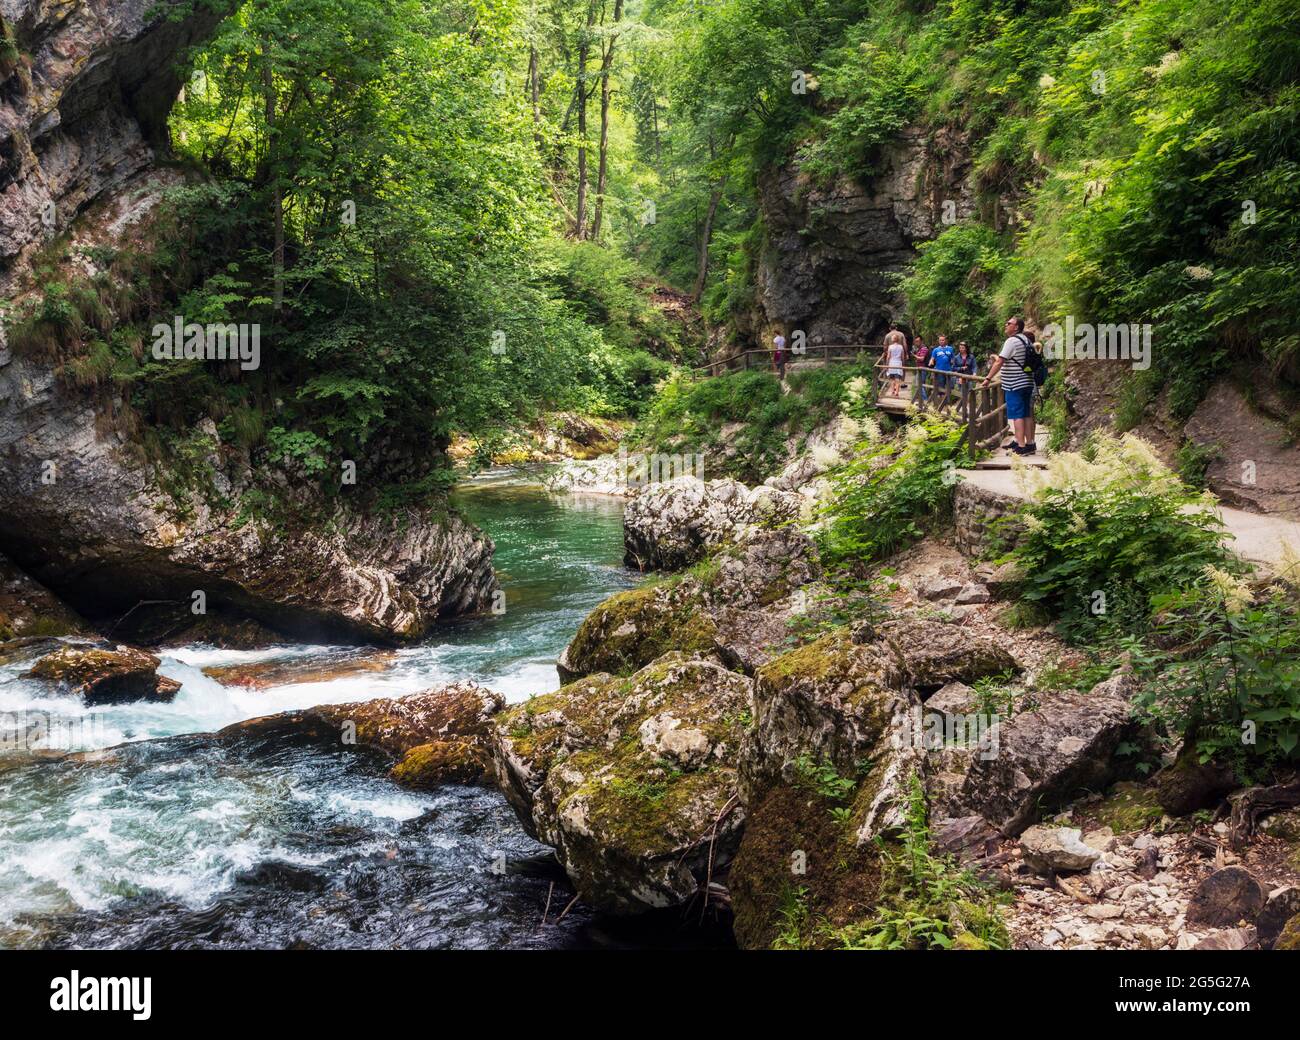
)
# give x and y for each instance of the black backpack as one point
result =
(1034, 365)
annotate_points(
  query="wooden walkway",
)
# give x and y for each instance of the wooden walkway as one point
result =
(981, 410)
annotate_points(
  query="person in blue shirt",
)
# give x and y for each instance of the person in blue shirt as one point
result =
(941, 359)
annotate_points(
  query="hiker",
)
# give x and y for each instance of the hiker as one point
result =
(920, 354)
(1012, 367)
(894, 358)
(778, 355)
(941, 359)
(964, 363)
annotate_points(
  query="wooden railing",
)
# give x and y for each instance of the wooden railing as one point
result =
(826, 353)
(982, 410)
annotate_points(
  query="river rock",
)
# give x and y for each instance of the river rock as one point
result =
(1226, 897)
(673, 524)
(29, 609)
(839, 703)
(102, 676)
(106, 536)
(739, 606)
(437, 736)
(1056, 849)
(631, 781)
(1041, 758)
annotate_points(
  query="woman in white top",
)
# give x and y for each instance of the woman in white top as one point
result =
(894, 357)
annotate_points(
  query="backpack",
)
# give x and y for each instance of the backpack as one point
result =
(1034, 365)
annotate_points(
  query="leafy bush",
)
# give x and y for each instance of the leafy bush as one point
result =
(891, 491)
(1108, 530)
(690, 415)
(1231, 685)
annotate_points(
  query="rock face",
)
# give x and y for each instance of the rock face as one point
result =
(102, 676)
(82, 117)
(673, 524)
(84, 107)
(632, 782)
(103, 534)
(739, 609)
(830, 252)
(1045, 756)
(27, 608)
(433, 737)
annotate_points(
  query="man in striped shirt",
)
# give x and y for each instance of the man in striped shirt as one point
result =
(1011, 366)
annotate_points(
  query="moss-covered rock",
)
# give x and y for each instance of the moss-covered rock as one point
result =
(1129, 807)
(838, 702)
(104, 676)
(798, 875)
(631, 780)
(631, 629)
(433, 737)
(1290, 937)
(737, 603)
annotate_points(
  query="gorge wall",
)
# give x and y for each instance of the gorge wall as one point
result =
(832, 252)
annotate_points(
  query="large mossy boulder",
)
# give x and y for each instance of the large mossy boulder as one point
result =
(738, 603)
(840, 704)
(631, 629)
(631, 780)
(429, 738)
(852, 700)
(105, 676)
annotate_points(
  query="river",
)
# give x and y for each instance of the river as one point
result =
(163, 837)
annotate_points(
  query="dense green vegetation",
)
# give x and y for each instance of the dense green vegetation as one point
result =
(891, 493)
(742, 421)
(1125, 559)
(449, 216)
(1132, 161)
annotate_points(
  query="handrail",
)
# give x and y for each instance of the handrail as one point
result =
(982, 408)
(824, 351)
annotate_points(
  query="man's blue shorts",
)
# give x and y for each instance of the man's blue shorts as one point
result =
(1020, 403)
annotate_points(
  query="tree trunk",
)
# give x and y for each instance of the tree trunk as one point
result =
(602, 172)
(580, 210)
(277, 195)
(535, 95)
(702, 264)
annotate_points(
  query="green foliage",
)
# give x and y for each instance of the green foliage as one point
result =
(1110, 530)
(823, 778)
(949, 289)
(927, 901)
(890, 492)
(690, 416)
(1231, 685)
